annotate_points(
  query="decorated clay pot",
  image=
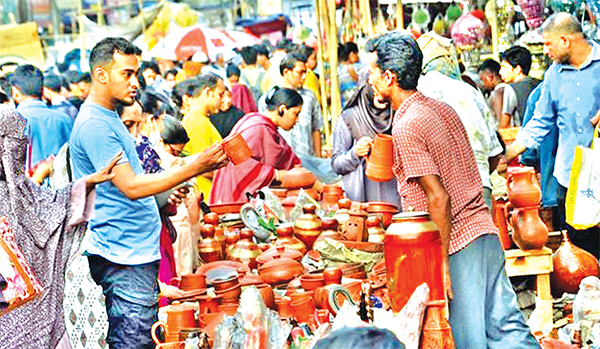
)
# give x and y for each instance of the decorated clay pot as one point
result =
(213, 218)
(245, 250)
(437, 332)
(236, 148)
(413, 255)
(380, 161)
(375, 231)
(330, 229)
(342, 215)
(529, 232)
(308, 226)
(523, 187)
(280, 270)
(286, 238)
(209, 249)
(385, 209)
(571, 265)
(281, 251)
(297, 178)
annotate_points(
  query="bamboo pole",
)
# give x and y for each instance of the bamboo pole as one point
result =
(141, 5)
(495, 34)
(399, 15)
(323, 90)
(81, 30)
(100, 13)
(333, 59)
(370, 29)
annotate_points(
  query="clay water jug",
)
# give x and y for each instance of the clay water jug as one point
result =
(437, 332)
(499, 218)
(308, 226)
(245, 250)
(413, 255)
(380, 160)
(523, 187)
(209, 249)
(571, 265)
(286, 238)
(529, 232)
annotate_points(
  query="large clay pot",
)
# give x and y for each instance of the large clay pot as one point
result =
(529, 232)
(245, 250)
(499, 218)
(386, 209)
(178, 316)
(523, 187)
(213, 218)
(297, 178)
(310, 282)
(380, 161)
(571, 265)
(286, 238)
(308, 226)
(413, 255)
(209, 249)
(375, 231)
(437, 332)
(280, 270)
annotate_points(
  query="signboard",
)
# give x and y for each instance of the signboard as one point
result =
(20, 43)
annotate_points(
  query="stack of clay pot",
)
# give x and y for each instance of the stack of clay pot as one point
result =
(229, 289)
(528, 230)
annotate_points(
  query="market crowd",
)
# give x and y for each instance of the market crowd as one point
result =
(147, 136)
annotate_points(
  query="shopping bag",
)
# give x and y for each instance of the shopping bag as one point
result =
(18, 284)
(582, 205)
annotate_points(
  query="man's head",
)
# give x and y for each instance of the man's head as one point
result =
(516, 63)
(150, 71)
(489, 73)
(311, 56)
(249, 55)
(233, 73)
(262, 55)
(293, 70)
(114, 66)
(52, 86)
(560, 32)
(360, 338)
(207, 94)
(84, 85)
(27, 83)
(351, 52)
(395, 62)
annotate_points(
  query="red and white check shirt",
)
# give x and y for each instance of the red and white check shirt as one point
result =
(430, 139)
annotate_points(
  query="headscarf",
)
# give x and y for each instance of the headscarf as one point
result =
(363, 117)
(439, 54)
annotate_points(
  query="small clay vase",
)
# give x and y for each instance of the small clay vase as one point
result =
(375, 231)
(236, 148)
(354, 228)
(308, 226)
(231, 239)
(342, 215)
(297, 178)
(332, 276)
(245, 250)
(571, 265)
(209, 249)
(330, 229)
(286, 238)
(529, 232)
(213, 218)
(437, 332)
(523, 187)
(380, 160)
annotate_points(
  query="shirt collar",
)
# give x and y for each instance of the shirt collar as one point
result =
(408, 102)
(32, 103)
(594, 57)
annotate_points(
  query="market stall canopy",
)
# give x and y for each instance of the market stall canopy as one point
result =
(265, 25)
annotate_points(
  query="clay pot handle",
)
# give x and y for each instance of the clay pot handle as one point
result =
(508, 215)
(334, 290)
(509, 181)
(155, 326)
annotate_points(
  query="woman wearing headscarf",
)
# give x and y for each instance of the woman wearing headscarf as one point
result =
(43, 222)
(361, 119)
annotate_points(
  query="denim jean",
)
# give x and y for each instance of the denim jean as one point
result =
(484, 311)
(131, 293)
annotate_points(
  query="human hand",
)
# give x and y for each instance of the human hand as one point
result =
(502, 166)
(211, 159)
(363, 146)
(42, 170)
(178, 195)
(595, 119)
(103, 175)
(447, 280)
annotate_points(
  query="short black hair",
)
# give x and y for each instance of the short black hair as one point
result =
(205, 80)
(173, 132)
(249, 55)
(400, 54)
(282, 96)
(52, 82)
(184, 88)
(490, 66)
(351, 47)
(71, 76)
(137, 51)
(360, 338)
(102, 54)
(306, 51)
(150, 102)
(29, 80)
(83, 77)
(518, 56)
(232, 70)
(172, 71)
(150, 65)
(290, 60)
(262, 50)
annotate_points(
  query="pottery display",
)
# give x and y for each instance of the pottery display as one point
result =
(310, 282)
(523, 187)
(380, 160)
(529, 232)
(286, 238)
(209, 249)
(437, 332)
(354, 228)
(332, 276)
(266, 292)
(245, 250)
(499, 218)
(213, 218)
(280, 270)
(375, 231)
(304, 310)
(330, 229)
(284, 308)
(342, 214)
(191, 282)
(221, 269)
(281, 251)
(308, 226)
(298, 177)
(571, 265)
(236, 148)
(178, 316)
(230, 239)
(385, 209)
(413, 255)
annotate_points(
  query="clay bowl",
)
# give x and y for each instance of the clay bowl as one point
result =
(280, 270)
(228, 207)
(297, 178)
(284, 307)
(304, 310)
(229, 308)
(190, 282)
(386, 209)
(230, 294)
(297, 295)
(223, 283)
(311, 281)
(282, 251)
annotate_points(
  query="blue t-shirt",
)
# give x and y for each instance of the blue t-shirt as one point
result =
(124, 231)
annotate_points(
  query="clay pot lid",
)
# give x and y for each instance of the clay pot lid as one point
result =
(298, 177)
(285, 231)
(411, 215)
(373, 221)
(381, 206)
(289, 201)
(278, 263)
(329, 223)
(344, 203)
(280, 250)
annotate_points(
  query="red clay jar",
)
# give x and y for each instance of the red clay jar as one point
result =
(231, 294)
(385, 209)
(308, 226)
(375, 231)
(223, 283)
(523, 187)
(342, 214)
(310, 282)
(209, 249)
(380, 161)
(286, 238)
(437, 332)
(571, 265)
(236, 148)
(298, 177)
(529, 232)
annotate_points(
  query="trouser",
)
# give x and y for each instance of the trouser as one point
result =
(484, 311)
(131, 293)
(588, 239)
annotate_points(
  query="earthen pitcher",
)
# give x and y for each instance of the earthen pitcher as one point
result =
(379, 162)
(523, 187)
(529, 232)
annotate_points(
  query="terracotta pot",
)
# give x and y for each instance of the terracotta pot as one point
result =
(332, 276)
(281, 251)
(286, 238)
(330, 230)
(380, 161)
(229, 308)
(245, 250)
(529, 232)
(171, 345)
(385, 209)
(571, 265)
(178, 316)
(523, 187)
(289, 203)
(296, 295)
(333, 189)
(308, 226)
(191, 282)
(437, 332)
(280, 270)
(375, 231)
(354, 228)
(310, 282)
(227, 207)
(207, 319)
(209, 249)
(281, 193)
(236, 148)
(342, 214)
(284, 307)
(413, 255)
(266, 292)
(250, 279)
(213, 218)
(231, 239)
(354, 270)
(223, 283)
(231, 294)
(304, 310)
(297, 178)
(208, 304)
(499, 218)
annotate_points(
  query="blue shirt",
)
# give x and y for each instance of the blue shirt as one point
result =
(569, 98)
(48, 129)
(124, 231)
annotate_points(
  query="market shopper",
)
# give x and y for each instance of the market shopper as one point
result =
(493, 87)
(123, 248)
(570, 100)
(436, 172)
(359, 338)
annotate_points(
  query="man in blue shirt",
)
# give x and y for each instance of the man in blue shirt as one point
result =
(123, 250)
(57, 101)
(569, 99)
(48, 129)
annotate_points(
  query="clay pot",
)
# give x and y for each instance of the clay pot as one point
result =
(280, 270)
(230, 241)
(331, 194)
(281, 251)
(191, 282)
(330, 230)
(385, 209)
(308, 226)
(304, 310)
(209, 249)
(354, 270)
(266, 292)
(171, 345)
(284, 307)
(332, 276)
(354, 228)
(286, 238)
(250, 279)
(299, 294)
(281, 193)
(213, 218)
(529, 232)
(297, 178)
(310, 282)
(523, 187)
(178, 316)
(571, 265)
(221, 283)
(342, 215)
(289, 203)
(499, 218)
(413, 255)
(380, 161)
(236, 148)
(245, 250)
(375, 231)
(231, 294)
(229, 308)
(208, 304)
(437, 332)
(227, 207)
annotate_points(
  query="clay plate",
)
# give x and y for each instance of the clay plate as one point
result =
(221, 269)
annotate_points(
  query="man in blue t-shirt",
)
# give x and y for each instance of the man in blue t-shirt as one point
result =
(123, 250)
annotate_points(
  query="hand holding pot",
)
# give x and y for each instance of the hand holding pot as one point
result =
(363, 146)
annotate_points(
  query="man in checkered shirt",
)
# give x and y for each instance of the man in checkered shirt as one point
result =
(436, 172)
